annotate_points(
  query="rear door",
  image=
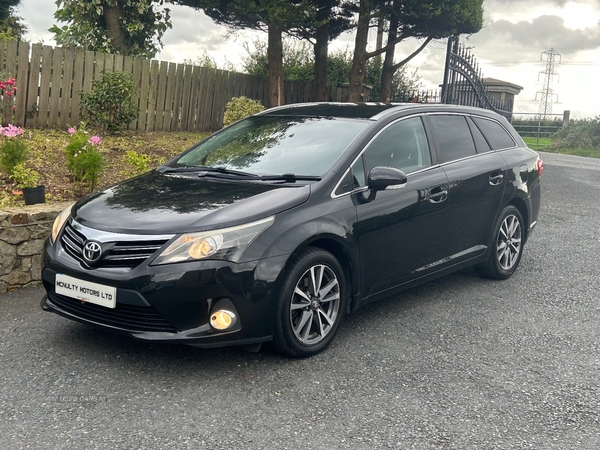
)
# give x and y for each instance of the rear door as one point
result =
(477, 179)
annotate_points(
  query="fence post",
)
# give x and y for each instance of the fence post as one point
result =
(566, 119)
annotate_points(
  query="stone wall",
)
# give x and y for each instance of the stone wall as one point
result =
(22, 233)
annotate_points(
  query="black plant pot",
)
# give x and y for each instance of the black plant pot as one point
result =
(34, 195)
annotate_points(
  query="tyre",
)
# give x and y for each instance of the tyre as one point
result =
(507, 248)
(311, 304)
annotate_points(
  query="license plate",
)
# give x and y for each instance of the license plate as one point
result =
(86, 291)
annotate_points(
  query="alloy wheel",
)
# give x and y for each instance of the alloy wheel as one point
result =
(315, 304)
(509, 242)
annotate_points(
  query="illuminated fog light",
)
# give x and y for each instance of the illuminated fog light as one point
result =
(222, 319)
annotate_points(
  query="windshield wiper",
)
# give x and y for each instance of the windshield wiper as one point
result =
(236, 175)
(206, 169)
(288, 177)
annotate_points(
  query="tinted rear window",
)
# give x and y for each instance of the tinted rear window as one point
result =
(495, 134)
(453, 137)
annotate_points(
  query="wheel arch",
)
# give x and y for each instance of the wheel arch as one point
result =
(332, 245)
(520, 204)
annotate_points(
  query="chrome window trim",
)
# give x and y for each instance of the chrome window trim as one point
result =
(335, 188)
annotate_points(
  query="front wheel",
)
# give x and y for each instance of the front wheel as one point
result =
(507, 248)
(311, 304)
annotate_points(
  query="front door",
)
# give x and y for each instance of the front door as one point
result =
(401, 232)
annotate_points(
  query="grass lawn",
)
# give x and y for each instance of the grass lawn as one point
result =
(545, 144)
(537, 144)
(46, 156)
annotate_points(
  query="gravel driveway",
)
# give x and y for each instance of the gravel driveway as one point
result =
(460, 363)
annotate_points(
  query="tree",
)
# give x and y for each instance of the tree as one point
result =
(128, 27)
(408, 19)
(325, 20)
(299, 64)
(11, 25)
(272, 16)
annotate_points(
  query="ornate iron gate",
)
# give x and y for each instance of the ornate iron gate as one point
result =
(464, 83)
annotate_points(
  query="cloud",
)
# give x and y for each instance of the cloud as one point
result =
(540, 34)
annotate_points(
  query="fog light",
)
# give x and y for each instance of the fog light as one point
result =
(222, 319)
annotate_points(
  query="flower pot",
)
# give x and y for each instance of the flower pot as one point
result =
(34, 195)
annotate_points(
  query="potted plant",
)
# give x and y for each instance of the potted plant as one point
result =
(27, 180)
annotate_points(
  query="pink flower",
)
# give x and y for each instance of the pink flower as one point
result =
(71, 130)
(11, 131)
(94, 140)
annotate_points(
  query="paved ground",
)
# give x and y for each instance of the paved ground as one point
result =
(458, 363)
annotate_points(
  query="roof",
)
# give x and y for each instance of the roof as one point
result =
(369, 110)
(343, 110)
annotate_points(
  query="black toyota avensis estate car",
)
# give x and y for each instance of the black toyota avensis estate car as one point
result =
(277, 226)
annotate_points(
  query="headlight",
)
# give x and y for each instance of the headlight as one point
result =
(227, 243)
(59, 222)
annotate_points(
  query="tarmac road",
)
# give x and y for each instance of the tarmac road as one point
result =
(460, 363)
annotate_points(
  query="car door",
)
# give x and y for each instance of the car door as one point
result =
(402, 231)
(477, 179)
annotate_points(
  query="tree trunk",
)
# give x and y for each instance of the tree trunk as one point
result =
(116, 33)
(387, 71)
(320, 48)
(358, 71)
(275, 66)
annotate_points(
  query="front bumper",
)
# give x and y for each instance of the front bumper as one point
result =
(172, 303)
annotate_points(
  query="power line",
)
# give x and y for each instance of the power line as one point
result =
(547, 93)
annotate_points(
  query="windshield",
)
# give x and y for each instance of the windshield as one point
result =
(272, 145)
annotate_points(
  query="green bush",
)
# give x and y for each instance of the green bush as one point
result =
(13, 151)
(239, 108)
(581, 134)
(109, 105)
(135, 163)
(24, 177)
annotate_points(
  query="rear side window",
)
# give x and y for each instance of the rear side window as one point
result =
(480, 142)
(495, 134)
(453, 137)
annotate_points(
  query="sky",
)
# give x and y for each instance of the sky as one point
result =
(509, 47)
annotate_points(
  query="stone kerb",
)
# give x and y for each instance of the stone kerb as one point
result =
(22, 233)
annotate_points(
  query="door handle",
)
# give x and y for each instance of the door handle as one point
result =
(438, 195)
(496, 178)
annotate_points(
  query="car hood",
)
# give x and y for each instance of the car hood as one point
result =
(157, 203)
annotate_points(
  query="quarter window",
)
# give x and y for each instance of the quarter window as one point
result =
(495, 134)
(453, 137)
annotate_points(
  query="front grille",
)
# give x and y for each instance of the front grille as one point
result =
(115, 254)
(128, 317)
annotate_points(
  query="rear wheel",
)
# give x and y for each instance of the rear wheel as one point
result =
(311, 304)
(507, 248)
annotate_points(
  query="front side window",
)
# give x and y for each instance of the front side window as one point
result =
(274, 145)
(453, 137)
(402, 145)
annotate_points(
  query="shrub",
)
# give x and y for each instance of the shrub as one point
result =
(239, 108)
(13, 149)
(24, 177)
(109, 105)
(581, 134)
(84, 161)
(135, 163)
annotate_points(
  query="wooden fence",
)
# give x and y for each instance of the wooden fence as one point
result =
(171, 97)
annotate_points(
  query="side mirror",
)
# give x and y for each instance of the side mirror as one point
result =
(382, 178)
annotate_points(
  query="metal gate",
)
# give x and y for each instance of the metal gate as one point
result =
(464, 83)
